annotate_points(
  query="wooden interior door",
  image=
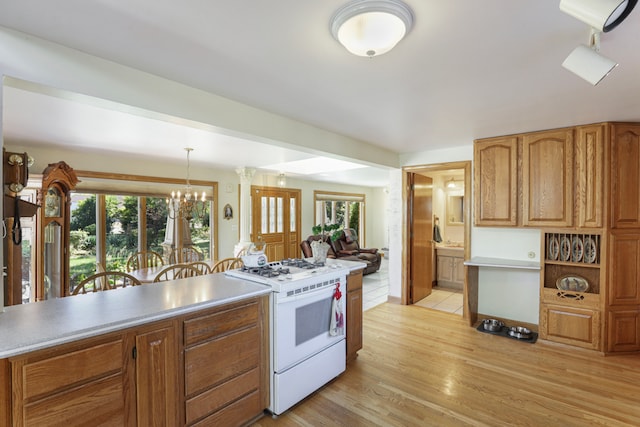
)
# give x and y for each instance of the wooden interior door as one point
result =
(421, 237)
(275, 220)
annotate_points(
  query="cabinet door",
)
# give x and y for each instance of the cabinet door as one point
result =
(495, 181)
(568, 325)
(354, 314)
(458, 270)
(445, 268)
(624, 269)
(589, 175)
(624, 330)
(625, 176)
(156, 382)
(547, 178)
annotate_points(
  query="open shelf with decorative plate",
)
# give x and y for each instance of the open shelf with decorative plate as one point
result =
(570, 295)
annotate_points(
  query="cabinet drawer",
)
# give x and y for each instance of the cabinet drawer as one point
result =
(99, 403)
(218, 360)
(212, 400)
(66, 370)
(207, 327)
(238, 413)
(580, 327)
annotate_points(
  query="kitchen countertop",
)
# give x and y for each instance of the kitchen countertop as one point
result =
(28, 327)
(351, 265)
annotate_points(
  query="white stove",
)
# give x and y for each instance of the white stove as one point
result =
(307, 351)
(292, 276)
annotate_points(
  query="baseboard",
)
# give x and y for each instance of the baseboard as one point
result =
(394, 300)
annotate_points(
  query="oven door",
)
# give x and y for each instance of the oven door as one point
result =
(301, 326)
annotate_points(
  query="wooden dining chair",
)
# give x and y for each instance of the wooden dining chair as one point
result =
(144, 259)
(105, 281)
(176, 271)
(201, 266)
(185, 254)
(226, 264)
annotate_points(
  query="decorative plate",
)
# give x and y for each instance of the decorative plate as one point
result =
(577, 249)
(565, 248)
(554, 248)
(572, 283)
(590, 250)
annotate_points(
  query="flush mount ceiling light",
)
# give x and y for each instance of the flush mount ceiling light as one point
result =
(586, 62)
(603, 15)
(371, 27)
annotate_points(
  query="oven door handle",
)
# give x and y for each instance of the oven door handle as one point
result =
(282, 298)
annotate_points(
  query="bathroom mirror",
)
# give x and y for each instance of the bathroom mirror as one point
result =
(455, 209)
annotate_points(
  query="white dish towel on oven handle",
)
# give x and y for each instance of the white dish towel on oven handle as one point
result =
(336, 326)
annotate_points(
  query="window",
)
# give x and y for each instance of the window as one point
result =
(112, 218)
(340, 208)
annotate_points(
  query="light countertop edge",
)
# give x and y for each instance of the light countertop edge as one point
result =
(351, 265)
(35, 326)
(502, 263)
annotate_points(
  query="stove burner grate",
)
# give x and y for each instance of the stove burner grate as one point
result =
(301, 263)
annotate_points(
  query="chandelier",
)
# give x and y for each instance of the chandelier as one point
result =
(186, 204)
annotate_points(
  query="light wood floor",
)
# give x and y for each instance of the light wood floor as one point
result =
(421, 367)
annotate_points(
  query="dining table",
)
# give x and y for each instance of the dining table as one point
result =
(148, 274)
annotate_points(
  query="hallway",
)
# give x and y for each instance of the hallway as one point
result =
(375, 290)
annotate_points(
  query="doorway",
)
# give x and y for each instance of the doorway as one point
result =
(449, 211)
(275, 221)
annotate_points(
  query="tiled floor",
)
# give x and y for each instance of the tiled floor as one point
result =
(375, 289)
(375, 286)
(443, 299)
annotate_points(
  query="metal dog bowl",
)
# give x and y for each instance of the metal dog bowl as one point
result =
(520, 332)
(492, 325)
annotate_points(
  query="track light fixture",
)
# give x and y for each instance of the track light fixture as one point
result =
(603, 15)
(587, 63)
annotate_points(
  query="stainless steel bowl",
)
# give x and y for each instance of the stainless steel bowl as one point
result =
(520, 332)
(492, 325)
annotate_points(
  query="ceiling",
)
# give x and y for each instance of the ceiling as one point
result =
(467, 70)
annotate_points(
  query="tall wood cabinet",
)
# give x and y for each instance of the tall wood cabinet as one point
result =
(581, 186)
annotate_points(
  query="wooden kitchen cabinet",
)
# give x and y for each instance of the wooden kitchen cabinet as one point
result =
(547, 178)
(225, 364)
(87, 380)
(450, 268)
(589, 153)
(581, 183)
(572, 315)
(214, 372)
(94, 380)
(560, 184)
(156, 364)
(625, 176)
(354, 314)
(495, 181)
(624, 292)
(575, 326)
